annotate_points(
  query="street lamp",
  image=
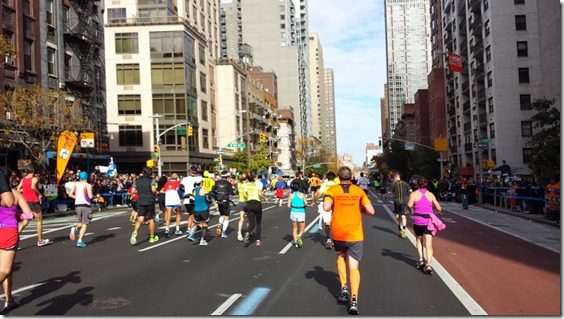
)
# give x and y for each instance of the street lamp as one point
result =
(158, 138)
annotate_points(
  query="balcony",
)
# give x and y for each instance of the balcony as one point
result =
(452, 130)
(477, 49)
(475, 5)
(462, 27)
(466, 107)
(468, 147)
(467, 127)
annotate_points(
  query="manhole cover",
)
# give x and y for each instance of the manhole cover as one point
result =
(110, 303)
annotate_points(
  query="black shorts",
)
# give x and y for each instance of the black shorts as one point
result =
(253, 206)
(134, 205)
(201, 217)
(189, 208)
(400, 209)
(35, 207)
(421, 230)
(351, 248)
(242, 206)
(161, 199)
(147, 211)
(314, 188)
(223, 208)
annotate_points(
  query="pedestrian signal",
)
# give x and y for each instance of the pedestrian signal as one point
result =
(156, 151)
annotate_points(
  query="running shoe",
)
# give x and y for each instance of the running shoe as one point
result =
(344, 294)
(329, 243)
(299, 241)
(43, 242)
(353, 307)
(403, 234)
(421, 265)
(73, 233)
(258, 243)
(191, 237)
(167, 233)
(247, 238)
(178, 232)
(239, 237)
(203, 242)
(80, 244)
(153, 239)
(9, 306)
(133, 238)
(428, 270)
(218, 231)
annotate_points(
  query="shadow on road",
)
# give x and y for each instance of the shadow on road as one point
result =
(326, 278)
(61, 304)
(51, 285)
(399, 256)
(318, 238)
(101, 238)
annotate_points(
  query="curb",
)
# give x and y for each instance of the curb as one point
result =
(531, 217)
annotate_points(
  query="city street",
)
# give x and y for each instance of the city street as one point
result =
(487, 263)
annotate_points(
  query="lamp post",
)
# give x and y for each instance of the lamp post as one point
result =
(158, 138)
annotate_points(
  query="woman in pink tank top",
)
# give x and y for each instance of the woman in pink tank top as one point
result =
(422, 202)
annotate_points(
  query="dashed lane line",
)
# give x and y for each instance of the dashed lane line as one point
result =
(289, 245)
(224, 306)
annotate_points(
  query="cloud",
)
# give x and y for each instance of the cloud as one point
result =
(352, 35)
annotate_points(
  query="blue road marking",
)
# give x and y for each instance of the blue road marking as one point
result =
(251, 302)
(314, 228)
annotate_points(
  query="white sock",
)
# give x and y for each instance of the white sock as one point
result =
(221, 218)
(225, 224)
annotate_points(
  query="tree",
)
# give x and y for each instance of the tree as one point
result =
(260, 159)
(240, 161)
(545, 162)
(37, 117)
(5, 48)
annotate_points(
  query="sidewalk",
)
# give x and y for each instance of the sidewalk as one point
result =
(539, 218)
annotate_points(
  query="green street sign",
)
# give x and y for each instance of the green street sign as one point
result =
(317, 166)
(484, 141)
(236, 145)
(181, 131)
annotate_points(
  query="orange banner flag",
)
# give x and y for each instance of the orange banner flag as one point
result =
(455, 63)
(65, 147)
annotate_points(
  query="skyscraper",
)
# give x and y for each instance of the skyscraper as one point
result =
(408, 52)
(328, 123)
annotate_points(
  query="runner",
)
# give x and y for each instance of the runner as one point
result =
(280, 187)
(172, 202)
(188, 183)
(242, 204)
(325, 215)
(82, 194)
(297, 203)
(161, 198)
(146, 189)
(422, 202)
(400, 193)
(133, 197)
(314, 183)
(253, 209)
(221, 192)
(345, 200)
(201, 211)
(28, 186)
(363, 182)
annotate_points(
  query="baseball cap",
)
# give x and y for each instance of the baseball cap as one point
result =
(83, 175)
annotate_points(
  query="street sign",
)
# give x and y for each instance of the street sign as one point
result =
(236, 145)
(482, 145)
(181, 131)
(220, 152)
(485, 141)
(317, 166)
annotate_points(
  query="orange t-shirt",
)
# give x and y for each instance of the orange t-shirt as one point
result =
(346, 219)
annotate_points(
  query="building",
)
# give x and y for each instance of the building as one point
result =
(371, 151)
(329, 125)
(406, 126)
(160, 72)
(277, 32)
(384, 114)
(346, 160)
(287, 155)
(509, 50)
(317, 76)
(408, 53)
(422, 129)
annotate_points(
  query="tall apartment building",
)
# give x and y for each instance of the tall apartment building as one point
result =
(509, 50)
(384, 114)
(277, 33)
(58, 44)
(408, 52)
(328, 117)
(160, 68)
(317, 76)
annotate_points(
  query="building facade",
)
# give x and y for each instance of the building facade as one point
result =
(317, 76)
(408, 52)
(328, 117)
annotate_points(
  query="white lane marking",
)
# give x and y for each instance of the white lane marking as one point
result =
(506, 232)
(289, 245)
(467, 301)
(114, 228)
(69, 225)
(14, 292)
(184, 237)
(224, 306)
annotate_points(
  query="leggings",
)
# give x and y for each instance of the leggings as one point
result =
(254, 214)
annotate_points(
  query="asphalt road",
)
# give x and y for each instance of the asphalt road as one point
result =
(177, 277)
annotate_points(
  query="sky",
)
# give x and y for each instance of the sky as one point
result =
(352, 35)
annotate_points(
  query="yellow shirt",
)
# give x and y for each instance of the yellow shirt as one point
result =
(208, 183)
(241, 189)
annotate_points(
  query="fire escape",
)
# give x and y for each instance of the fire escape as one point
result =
(83, 34)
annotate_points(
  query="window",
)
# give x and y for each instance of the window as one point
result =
(68, 59)
(490, 105)
(205, 138)
(9, 3)
(525, 101)
(130, 135)
(129, 104)
(50, 12)
(51, 59)
(169, 44)
(492, 130)
(489, 77)
(9, 37)
(203, 84)
(172, 106)
(523, 75)
(127, 43)
(526, 128)
(520, 22)
(488, 53)
(202, 54)
(486, 5)
(204, 110)
(522, 48)
(487, 27)
(127, 74)
(26, 6)
(28, 55)
(168, 75)
(116, 15)
(527, 155)
(519, 1)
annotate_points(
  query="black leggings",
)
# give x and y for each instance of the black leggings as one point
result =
(254, 215)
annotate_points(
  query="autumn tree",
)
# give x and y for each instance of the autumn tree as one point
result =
(35, 117)
(545, 162)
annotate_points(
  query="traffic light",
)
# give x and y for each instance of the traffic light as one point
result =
(156, 151)
(262, 137)
(190, 130)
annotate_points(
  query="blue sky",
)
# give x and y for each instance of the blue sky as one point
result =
(353, 39)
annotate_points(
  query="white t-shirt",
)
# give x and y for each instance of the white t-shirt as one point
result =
(363, 182)
(188, 183)
(69, 186)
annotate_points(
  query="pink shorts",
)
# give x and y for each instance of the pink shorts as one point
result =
(8, 238)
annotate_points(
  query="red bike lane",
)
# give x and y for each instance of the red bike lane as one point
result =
(504, 274)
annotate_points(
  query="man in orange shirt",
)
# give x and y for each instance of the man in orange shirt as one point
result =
(345, 201)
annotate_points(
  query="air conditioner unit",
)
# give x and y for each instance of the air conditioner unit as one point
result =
(8, 60)
(8, 116)
(62, 85)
